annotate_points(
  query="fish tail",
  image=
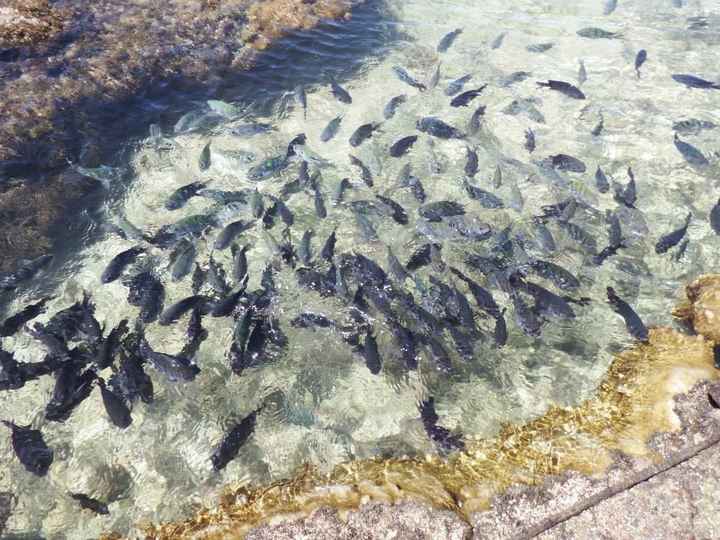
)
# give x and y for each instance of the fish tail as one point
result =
(543, 84)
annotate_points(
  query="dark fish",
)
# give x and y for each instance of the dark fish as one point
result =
(715, 217)
(436, 211)
(539, 47)
(614, 229)
(582, 73)
(371, 354)
(331, 129)
(301, 98)
(71, 389)
(311, 320)
(471, 163)
(392, 106)
(439, 355)
(328, 250)
(597, 33)
(183, 262)
(12, 324)
(448, 39)
(406, 342)
(401, 147)
(364, 132)
(560, 277)
(500, 332)
(240, 264)
(395, 266)
(227, 305)
(223, 196)
(340, 190)
(597, 130)
(257, 204)
(444, 438)
(466, 97)
(183, 194)
(173, 367)
(304, 251)
(267, 168)
(580, 235)
(457, 85)
(485, 198)
(691, 81)
(365, 173)
(546, 302)
(298, 140)
(544, 236)
(405, 77)
(627, 195)
(475, 119)
(397, 212)
(88, 503)
(564, 88)
(437, 128)
(115, 406)
(320, 209)
(191, 226)
(671, 239)
(416, 188)
(525, 317)
(367, 229)
(633, 323)
(147, 293)
(111, 345)
(529, 140)
(640, 59)
(131, 381)
(251, 129)
(420, 257)
(30, 448)
(119, 262)
(205, 161)
(601, 181)
(605, 253)
(181, 307)
(693, 126)
(231, 442)
(564, 162)
(483, 298)
(26, 272)
(342, 95)
(228, 234)
(55, 345)
(691, 154)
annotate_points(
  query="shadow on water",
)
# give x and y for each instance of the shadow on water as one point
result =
(333, 49)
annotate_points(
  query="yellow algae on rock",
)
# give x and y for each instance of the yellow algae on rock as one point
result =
(702, 308)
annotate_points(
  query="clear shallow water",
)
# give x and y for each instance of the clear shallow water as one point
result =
(323, 405)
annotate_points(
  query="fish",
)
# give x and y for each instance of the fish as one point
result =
(500, 331)
(286, 214)
(227, 305)
(465, 98)
(15, 322)
(307, 319)
(485, 198)
(231, 442)
(564, 162)
(497, 177)
(609, 6)
(436, 211)
(627, 195)
(405, 77)
(14, 375)
(363, 133)
(529, 140)
(597, 130)
(320, 209)
(437, 128)
(26, 271)
(671, 239)
(544, 236)
(691, 154)
(395, 266)
(339, 193)
(715, 217)
(640, 59)
(371, 354)
(342, 95)
(693, 126)
(601, 181)
(633, 322)
(88, 503)
(564, 88)
(526, 106)
(498, 41)
(301, 98)
(615, 236)
(471, 162)
(692, 81)
(146, 291)
(115, 406)
(228, 233)
(183, 194)
(240, 263)
(181, 307)
(111, 345)
(256, 204)
(190, 226)
(433, 81)
(397, 212)
(30, 448)
(546, 302)
(130, 381)
(456, 86)
(582, 73)
(514, 78)
(183, 263)
(297, 141)
(71, 388)
(420, 257)
(205, 159)
(119, 262)
(476, 119)
(365, 173)
(331, 129)
(392, 106)
(447, 40)
(304, 251)
(251, 129)
(223, 196)
(173, 367)
(682, 248)
(402, 146)
(483, 297)
(267, 168)
(367, 229)
(597, 33)
(442, 437)
(555, 273)
(539, 47)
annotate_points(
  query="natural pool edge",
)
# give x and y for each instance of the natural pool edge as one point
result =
(650, 413)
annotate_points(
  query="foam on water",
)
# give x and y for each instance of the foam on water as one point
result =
(326, 407)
